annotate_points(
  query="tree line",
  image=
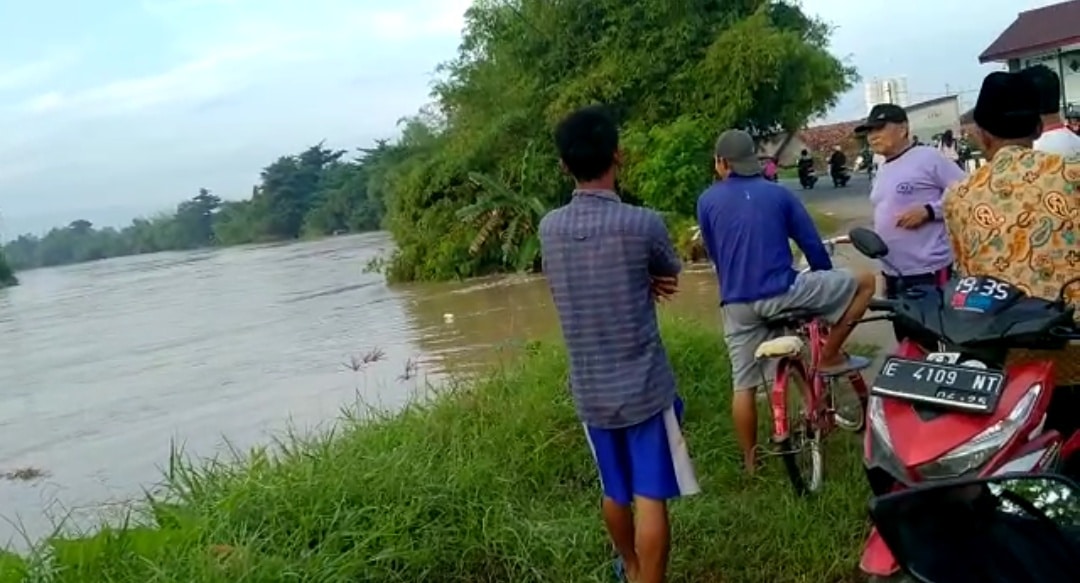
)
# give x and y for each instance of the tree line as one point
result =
(314, 193)
(464, 186)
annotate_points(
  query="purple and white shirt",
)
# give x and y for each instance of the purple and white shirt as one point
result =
(916, 178)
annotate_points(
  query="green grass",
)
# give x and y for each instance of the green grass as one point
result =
(788, 173)
(491, 482)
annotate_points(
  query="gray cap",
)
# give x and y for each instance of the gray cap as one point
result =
(737, 148)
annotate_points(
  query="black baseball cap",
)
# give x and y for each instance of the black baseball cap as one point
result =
(881, 114)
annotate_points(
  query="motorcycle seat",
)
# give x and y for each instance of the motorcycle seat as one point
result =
(782, 347)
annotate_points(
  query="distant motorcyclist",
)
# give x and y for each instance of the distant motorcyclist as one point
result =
(805, 166)
(1015, 219)
(838, 167)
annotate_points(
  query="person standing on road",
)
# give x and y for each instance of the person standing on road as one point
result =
(948, 148)
(1032, 198)
(606, 263)
(1055, 137)
(747, 224)
(907, 199)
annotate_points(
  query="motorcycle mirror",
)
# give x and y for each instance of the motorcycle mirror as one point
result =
(1018, 528)
(868, 243)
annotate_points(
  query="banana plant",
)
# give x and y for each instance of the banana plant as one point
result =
(507, 216)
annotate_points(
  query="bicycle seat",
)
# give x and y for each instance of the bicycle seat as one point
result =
(782, 347)
(788, 319)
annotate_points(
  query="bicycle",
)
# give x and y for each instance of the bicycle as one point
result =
(797, 350)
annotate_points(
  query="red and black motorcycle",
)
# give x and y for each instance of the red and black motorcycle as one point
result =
(957, 411)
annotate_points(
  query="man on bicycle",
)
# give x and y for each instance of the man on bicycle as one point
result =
(1016, 218)
(746, 224)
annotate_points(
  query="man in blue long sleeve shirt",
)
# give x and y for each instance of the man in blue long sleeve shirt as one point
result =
(746, 223)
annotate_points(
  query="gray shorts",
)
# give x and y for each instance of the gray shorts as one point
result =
(825, 293)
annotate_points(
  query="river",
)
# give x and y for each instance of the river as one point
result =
(105, 365)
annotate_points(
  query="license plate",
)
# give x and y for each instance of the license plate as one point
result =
(949, 386)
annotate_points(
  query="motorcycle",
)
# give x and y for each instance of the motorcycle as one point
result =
(808, 178)
(1018, 528)
(840, 177)
(958, 412)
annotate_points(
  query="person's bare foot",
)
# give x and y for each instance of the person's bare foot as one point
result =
(750, 465)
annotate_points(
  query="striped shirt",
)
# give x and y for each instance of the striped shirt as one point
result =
(599, 254)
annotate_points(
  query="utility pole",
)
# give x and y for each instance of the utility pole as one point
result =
(888, 92)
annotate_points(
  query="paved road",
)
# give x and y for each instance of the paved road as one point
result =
(858, 188)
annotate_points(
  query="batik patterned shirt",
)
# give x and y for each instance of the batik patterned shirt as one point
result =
(1018, 219)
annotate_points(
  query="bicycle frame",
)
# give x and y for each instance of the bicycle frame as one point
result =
(813, 334)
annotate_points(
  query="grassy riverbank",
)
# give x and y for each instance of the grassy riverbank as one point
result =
(492, 482)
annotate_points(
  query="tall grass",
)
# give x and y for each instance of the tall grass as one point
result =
(490, 482)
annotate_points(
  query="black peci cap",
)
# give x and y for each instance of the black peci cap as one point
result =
(1008, 106)
(881, 114)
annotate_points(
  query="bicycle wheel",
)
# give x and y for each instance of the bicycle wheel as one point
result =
(847, 401)
(800, 449)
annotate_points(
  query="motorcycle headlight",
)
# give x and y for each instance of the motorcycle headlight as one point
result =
(972, 454)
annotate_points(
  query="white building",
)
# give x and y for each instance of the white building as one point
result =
(887, 90)
(1044, 36)
(930, 118)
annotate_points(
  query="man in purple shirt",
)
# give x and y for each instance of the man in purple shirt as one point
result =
(906, 197)
(747, 224)
(603, 259)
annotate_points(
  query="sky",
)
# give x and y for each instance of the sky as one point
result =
(121, 108)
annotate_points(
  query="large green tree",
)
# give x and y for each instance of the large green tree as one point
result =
(673, 72)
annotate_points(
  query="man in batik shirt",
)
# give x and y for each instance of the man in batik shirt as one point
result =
(1017, 218)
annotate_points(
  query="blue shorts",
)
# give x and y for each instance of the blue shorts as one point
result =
(649, 459)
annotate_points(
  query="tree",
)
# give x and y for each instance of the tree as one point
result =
(673, 72)
(7, 276)
(314, 192)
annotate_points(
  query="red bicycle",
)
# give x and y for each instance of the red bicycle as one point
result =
(807, 405)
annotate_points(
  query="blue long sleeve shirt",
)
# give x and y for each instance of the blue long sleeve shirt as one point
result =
(746, 223)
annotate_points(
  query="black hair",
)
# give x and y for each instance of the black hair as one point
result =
(947, 139)
(587, 141)
(1048, 86)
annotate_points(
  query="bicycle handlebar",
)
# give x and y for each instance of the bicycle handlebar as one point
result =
(830, 248)
(882, 305)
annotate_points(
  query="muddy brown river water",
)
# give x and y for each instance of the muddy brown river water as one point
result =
(104, 366)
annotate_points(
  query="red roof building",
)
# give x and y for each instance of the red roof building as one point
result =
(1044, 36)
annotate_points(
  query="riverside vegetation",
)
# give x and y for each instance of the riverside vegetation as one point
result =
(7, 277)
(464, 186)
(490, 481)
(316, 192)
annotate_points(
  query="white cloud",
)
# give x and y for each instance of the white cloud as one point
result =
(402, 25)
(249, 48)
(213, 74)
(35, 72)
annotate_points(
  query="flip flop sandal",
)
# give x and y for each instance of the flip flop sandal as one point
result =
(619, 569)
(852, 364)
